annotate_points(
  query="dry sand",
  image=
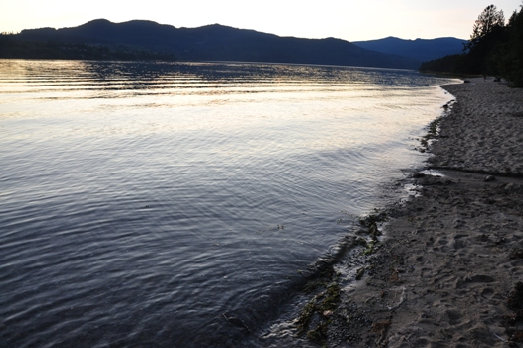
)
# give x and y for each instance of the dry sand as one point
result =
(446, 271)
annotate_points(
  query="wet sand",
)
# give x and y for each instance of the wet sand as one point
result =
(446, 270)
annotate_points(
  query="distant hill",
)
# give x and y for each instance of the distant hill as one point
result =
(102, 38)
(420, 50)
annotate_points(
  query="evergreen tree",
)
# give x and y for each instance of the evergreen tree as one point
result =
(494, 49)
(510, 55)
(488, 21)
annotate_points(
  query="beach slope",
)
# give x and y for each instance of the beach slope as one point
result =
(447, 272)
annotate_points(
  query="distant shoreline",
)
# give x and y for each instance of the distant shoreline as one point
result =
(14, 48)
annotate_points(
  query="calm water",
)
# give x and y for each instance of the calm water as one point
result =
(141, 204)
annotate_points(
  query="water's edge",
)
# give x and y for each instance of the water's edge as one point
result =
(346, 264)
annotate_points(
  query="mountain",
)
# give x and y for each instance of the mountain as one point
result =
(208, 43)
(420, 50)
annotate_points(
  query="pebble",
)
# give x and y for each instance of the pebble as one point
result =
(489, 178)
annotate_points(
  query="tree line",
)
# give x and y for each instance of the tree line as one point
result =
(495, 48)
(12, 46)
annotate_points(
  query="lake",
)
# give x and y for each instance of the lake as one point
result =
(147, 204)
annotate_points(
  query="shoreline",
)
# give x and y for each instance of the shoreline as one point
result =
(447, 271)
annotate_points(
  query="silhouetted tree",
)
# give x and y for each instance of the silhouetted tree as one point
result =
(488, 21)
(494, 49)
(487, 32)
(509, 58)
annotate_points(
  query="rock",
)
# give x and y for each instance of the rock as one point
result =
(360, 272)
(515, 300)
(509, 187)
(516, 254)
(489, 178)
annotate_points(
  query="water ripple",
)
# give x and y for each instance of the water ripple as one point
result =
(160, 204)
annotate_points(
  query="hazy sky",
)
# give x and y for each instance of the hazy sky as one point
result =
(346, 19)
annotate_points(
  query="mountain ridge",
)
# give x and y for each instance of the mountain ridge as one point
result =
(213, 42)
(420, 49)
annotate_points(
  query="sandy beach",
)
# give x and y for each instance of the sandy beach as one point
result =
(445, 271)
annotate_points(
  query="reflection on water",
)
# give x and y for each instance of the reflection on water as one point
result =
(163, 204)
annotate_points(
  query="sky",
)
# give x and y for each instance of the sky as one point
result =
(351, 20)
